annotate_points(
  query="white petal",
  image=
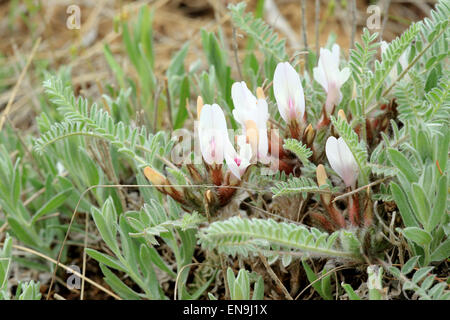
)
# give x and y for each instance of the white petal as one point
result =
(342, 160)
(350, 173)
(288, 87)
(213, 133)
(239, 116)
(280, 90)
(262, 111)
(320, 77)
(230, 156)
(242, 96)
(333, 96)
(330, 66)
(344, 74)
(335, 51)
(332, 152)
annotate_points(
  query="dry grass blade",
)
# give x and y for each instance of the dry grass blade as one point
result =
(17, 85)
(59, 264)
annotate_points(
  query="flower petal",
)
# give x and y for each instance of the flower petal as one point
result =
(344, 74)
(320, 77)
(288, 92)
(242, 96)
(213, 133)
(342, 160)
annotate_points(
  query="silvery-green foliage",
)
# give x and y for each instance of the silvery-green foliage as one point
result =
(299, 149)
(29, 224)
(82, 119)
(266, 38)
(240, 286)
(323, 284)
(248, 236)
(412, 156)
(421, 193)
(296, 186)
(421, 281)
(416, 155)
(135, 253)
(25, 290)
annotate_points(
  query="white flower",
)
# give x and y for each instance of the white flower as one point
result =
(393, 75)
(213, 134)
(342, 160)
(328, 75)
(288, 92)
(252, 114)
(238, 163)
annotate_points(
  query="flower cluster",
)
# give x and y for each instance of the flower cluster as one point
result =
(259, 143)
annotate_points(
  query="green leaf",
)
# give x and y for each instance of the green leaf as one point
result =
(245, 236)
(105, 230)
(211, 296)
(16, 183)
(299, 149)
(294, 186)
(410, 264)
(422, 204)
(117, 70)
(402, 203)
(403, 164)
(176, 67)
(52, 204)
(417, 235)
(26, 235)
(182, 113)
(258, 30)
(118, 286)
(202, 289)
(258, 292)
(317, 285)
(351, 293)
(420, 274)
(442, 252)
(105, 259)
(440, 204)
(159, 262)
(230, 279)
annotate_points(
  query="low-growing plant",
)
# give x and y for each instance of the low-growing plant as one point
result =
(344, 163)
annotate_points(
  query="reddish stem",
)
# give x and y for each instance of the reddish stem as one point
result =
(354, 210)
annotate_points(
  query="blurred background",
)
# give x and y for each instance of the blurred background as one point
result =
(22, 22)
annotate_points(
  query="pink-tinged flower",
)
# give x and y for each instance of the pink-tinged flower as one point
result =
(393, 75)
(213, 134)
(252, 114)
(328, 75)
(342, 160)
(238, 162)
(288, 92)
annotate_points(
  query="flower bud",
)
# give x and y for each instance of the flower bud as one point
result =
(341, 114)
(309, 135)
(155, 177)
(321, 180)
(199, 106)
(260, 93)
